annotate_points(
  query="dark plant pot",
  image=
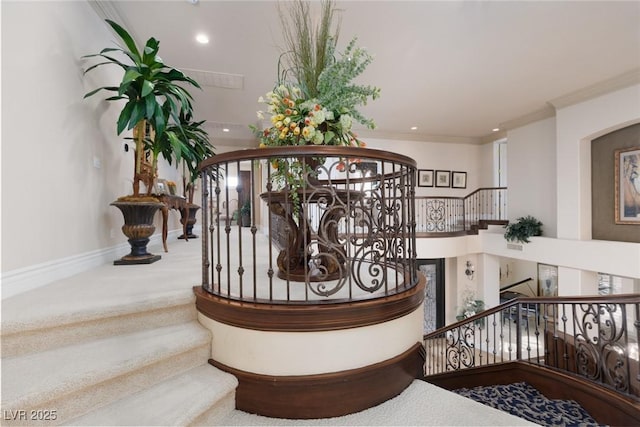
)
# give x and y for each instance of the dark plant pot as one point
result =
(246, 220)
(138, 227)
(191, 220)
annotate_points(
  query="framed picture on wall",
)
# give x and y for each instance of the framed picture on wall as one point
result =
(443, 179)
(547, 280)
(458, 179)
(627, 186)
(425, 177)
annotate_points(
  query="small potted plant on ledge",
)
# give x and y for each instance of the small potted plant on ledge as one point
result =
(154, 101)
(522, 229)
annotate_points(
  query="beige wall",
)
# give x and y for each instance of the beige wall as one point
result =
(435, 155)
(62, 162)
(531, 173)
(602, 185)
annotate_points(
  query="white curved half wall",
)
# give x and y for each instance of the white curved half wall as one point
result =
(309, 353)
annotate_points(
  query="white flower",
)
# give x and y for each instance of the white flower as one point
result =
(260, 115)
(346, 122)
(319, 116)
(282, 90)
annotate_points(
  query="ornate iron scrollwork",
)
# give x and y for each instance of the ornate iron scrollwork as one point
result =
(600, 338)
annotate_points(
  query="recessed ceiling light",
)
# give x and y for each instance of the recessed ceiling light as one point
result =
(414, 127)
(225, 130)
(496, 129)
(202, 38)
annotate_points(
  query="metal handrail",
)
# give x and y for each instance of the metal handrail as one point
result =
(593, 337)
(331, 233)
(449, 214)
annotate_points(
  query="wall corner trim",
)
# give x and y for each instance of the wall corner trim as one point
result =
(25, 279)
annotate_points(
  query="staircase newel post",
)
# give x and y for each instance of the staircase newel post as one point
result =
(518, 332)
(464, 215)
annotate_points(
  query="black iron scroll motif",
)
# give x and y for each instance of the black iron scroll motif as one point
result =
(601, 353)
(435, 215)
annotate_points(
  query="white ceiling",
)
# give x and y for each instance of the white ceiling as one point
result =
(454, 69)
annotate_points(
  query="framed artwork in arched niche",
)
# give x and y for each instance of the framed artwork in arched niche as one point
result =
(627, 186)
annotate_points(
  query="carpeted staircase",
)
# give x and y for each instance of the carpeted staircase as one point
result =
(122, 346)
(524, 401)
(113, 346)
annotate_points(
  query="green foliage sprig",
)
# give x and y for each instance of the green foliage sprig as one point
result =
(315, 100)
(522, 229)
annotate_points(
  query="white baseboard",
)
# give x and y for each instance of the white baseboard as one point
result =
(21, 280)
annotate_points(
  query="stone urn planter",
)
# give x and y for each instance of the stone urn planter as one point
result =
(190, 218)
(138, 227)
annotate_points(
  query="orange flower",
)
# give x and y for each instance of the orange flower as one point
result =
(340, 167)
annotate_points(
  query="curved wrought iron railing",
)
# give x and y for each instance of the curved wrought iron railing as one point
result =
(460, 214)
(327, 224)
(592, 337)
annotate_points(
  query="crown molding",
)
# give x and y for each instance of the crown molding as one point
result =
(494, 136)
(621, 81)
(414, 136)
(535, 116)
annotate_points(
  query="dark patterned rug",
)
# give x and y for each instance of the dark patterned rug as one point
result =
(524, 401)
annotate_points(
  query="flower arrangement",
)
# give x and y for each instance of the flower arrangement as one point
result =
(298, 121)
(470, 305)
(315, 99)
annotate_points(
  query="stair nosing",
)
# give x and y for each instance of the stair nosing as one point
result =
(10, 327)
(228, 381)
(99, 374)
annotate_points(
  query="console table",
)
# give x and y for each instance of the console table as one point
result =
(171, 202)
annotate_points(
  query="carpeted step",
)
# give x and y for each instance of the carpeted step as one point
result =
(76, 379)
(102, 302)
(20, 339)
(201, 396)
(524, 401)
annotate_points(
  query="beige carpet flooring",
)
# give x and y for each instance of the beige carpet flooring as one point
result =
(112, 289)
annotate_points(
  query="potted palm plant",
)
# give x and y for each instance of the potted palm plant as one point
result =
(154, 103)
(245, 214)
(200, 149)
